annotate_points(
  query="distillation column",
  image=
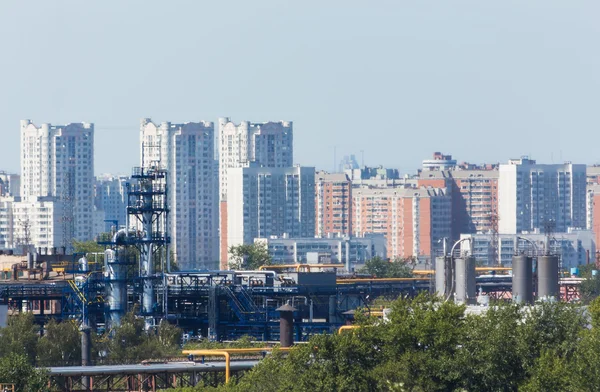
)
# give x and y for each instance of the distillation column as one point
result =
(147, 271)
(116, 286)
(147, 212)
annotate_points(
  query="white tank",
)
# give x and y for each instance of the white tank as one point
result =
(116, 288)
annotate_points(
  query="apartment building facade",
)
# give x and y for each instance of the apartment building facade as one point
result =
(474, 198)
(333, 204)
(110, 202)
(57, 166)
(269, 144)
(186, 151)
(265, 201)
(543, 197)
(350, 251)
(414, 221)
(575, 247)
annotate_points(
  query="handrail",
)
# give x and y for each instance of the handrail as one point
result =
(226, 353)
(360, 280)
(78, 292)
(299, 266)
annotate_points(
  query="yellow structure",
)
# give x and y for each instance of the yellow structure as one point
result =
(227, 352)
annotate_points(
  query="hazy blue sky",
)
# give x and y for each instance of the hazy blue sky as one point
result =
(483, 80)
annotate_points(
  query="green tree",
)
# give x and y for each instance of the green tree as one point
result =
(87, 247)
(249, 256)
(169, 337)
(326, 363)
(60, 345)
(589, 289)
(381, 268)
(585, 369)
(551, 372)
(490, 356)
(16, 369)
(549, 327)
(131, 343)
(20, 336)
(420, 344)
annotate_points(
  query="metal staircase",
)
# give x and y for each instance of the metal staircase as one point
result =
(243, 305)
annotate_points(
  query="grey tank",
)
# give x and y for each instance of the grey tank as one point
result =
(548, 277)
(466, 291)
(443, 276)
(522, 280)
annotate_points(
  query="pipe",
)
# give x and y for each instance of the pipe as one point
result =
(245, 273)
(451, 265)
(361, 280)
(226, 353)
(347, 328)
(528, 240)
(299, 266)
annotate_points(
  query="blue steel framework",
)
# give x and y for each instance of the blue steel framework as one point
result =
(214, 304)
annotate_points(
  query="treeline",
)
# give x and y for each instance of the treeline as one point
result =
(430, 345)
(24, 346)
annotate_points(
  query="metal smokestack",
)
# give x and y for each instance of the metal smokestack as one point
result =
(286, 325)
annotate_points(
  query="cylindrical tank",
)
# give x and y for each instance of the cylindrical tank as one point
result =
(29, 260)
(443, 276)
(547, 277)
(116, 289)
(83, 264)
(522, 280)
(465, 290)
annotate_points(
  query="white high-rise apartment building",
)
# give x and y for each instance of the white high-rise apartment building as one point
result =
(267, 144)
(57, 166)
(536, 196)
(187, 152)
(110, 201)
(264, 202)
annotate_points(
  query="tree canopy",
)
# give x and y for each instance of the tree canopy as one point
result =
(249, 256)
(430, 345)
(381, 268)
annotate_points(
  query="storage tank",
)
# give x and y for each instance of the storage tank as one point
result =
(522, 279)
(547, 277)
(443, 276)
(466, 291)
